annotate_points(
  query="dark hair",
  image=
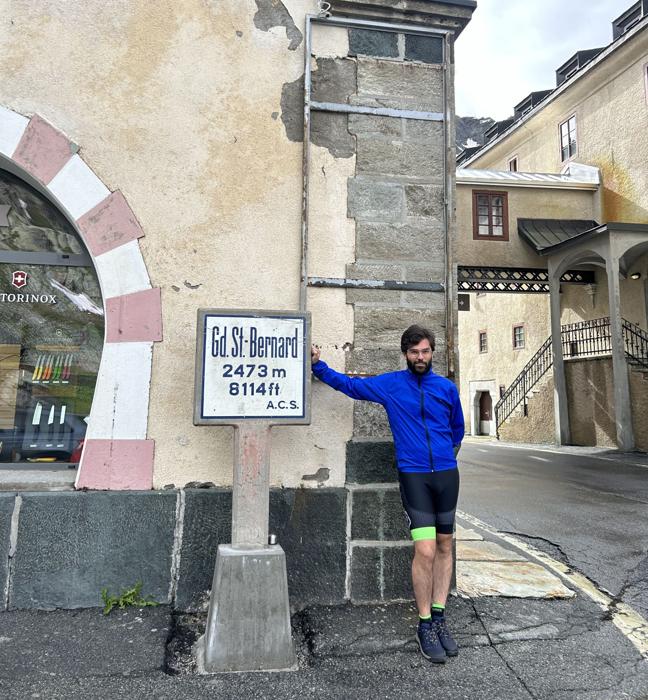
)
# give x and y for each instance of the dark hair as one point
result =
(414, 335)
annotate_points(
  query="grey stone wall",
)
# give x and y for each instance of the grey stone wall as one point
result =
(59, 550)
(397, 199)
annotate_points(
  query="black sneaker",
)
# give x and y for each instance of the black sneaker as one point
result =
(429, 643)
(445, 638)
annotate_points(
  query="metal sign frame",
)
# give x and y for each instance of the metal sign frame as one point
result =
(444, 117)
(199, 381)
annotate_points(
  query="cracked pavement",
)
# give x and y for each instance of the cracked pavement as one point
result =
(584, 507)
(584, 512)
(510, 649)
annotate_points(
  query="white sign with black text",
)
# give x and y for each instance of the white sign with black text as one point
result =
(252, 365)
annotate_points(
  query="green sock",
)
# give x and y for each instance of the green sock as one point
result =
(438, 611)
(428, 618)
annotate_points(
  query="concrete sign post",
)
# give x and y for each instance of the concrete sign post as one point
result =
(252, 372)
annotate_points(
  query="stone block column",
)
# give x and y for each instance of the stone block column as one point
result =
(561, 404)
(401, 198)
(622, 406)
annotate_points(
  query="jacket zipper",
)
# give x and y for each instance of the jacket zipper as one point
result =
(427, 434)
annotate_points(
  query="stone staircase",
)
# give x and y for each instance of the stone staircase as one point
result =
(582, 340)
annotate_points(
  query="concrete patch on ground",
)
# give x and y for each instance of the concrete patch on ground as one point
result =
(485, 551)
(508, 579)
(463, 534)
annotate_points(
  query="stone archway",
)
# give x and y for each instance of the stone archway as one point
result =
(117, 454)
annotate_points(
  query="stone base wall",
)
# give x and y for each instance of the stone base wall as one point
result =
(380, 549)
(590, 388)
(538, 426)
(60, 549)
(639, 400)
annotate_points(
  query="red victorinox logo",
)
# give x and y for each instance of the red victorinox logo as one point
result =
(19, 279)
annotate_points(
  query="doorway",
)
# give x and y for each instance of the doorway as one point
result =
(485, 413)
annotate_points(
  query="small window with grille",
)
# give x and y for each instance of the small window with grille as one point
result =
(518, 337)
(483, 341)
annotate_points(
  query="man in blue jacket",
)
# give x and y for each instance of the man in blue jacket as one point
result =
(427, 424)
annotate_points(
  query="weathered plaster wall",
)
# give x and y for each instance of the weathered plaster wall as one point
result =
(523, 202)
(178, 105)
(610, 107)
(194, 111)
(497, 314)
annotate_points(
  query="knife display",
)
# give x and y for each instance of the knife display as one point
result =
(53, 368)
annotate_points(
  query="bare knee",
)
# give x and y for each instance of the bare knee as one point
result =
(425, 550)
(444, 545)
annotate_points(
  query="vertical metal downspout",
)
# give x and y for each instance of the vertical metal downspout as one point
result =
(448, 198)
(305, 168)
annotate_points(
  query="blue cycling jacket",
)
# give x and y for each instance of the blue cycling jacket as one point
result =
(424, 413)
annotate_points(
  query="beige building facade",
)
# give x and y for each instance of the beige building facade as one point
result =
(590, 127)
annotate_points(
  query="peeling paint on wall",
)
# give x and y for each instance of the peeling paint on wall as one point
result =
(273, 13)
(292, 109)
(334, 80)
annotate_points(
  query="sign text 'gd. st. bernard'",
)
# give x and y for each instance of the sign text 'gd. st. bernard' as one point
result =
(252, 365)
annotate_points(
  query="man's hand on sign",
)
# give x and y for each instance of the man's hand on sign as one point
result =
(315, 354)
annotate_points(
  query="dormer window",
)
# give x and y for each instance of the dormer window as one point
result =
(629, 18)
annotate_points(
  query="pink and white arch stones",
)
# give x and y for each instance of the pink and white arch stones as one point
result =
(117, 454)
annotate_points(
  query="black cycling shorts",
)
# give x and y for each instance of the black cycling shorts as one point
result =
(430, 501)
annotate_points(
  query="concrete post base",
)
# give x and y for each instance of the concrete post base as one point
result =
(248, 626)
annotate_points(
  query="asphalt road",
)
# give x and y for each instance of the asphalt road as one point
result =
(588, 510)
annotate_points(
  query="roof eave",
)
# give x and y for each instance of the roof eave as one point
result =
(622, 40)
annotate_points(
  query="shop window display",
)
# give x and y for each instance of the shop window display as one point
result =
(51, 330)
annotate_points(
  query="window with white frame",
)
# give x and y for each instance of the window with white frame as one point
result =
(568, 138)
(483, 342)
(490, 216)
(518, 337)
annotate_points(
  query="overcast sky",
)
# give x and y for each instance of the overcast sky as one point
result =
(513, 47)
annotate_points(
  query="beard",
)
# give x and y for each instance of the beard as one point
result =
(420, 367)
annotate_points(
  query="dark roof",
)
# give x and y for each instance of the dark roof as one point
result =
(543, 234)
(632, 16)
(574, 63)
(498, 128)
(466, 152)
(530, 101)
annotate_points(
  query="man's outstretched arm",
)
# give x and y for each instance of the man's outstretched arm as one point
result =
(368, 389)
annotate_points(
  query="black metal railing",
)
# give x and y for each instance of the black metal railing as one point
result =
(530, 375)
(587, 338)
(636, 344)
(583, 339)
